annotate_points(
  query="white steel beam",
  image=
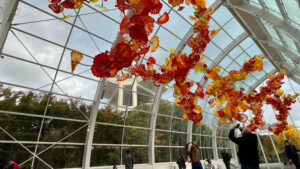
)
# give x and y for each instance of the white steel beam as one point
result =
(155, 108)
(10, 7)
(214, 137)
(282, 25)
(294, 56)
(91, 126)
(283, 13)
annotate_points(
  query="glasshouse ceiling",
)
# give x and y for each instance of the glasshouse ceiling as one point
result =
(273, 30)
(35, 47)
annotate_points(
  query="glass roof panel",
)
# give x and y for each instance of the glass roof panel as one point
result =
(177, 25)
(259, 74)
(289, 42)
(292, 9)
(243, 57)
(222, 39)
(166, 39)
(272, 32)
(272, 7)
(126, 106)
(235, 52)
(287, 59)
(212, 51)
(246, 43)
(255, 3)
(253, 50)
(225, 62)
(233, 28)
(268, 66)
(222, 16)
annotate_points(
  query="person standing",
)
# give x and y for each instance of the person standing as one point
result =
(248, 152)
(181, 162)
(292, 153)
(226, 158)
(194, 155)
(12, 164)
(128, 160)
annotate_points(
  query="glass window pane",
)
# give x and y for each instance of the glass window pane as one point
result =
(140, 154)
(179, 125)
(246, 43)
(65, 156)
(166, 39)
(292, 10)
(135, 136)
(222, 39)
(289, 42)
(222, 15)
(162, 154)
(272, 32)
(163, 122)
(233, 28)
(212, 51)
(243, 57)
(105, 156)
(177, 25)
(162, 138)
(178, 139)
(103, 134)
(225, 62)
(273, 8)
(235, 52)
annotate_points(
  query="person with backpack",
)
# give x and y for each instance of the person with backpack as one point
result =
(194, 155)
(292, 153)
(226, 158)
(181, 162)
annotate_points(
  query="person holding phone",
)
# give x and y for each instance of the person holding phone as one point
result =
(194, 155)
(248, 151)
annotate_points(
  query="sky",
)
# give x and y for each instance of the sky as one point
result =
(16, 71)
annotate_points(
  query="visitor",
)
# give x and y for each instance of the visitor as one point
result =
(181, 162)
(226, 158)
(248, 152)
(12, 164)
(128, 160)
(292, 153)
(115, 166)
(194, 155)
(209, 165)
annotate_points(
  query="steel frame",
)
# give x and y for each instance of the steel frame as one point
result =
(10, 7)
(282, 25)
(91, 122)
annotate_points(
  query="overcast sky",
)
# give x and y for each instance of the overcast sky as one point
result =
(21, 73)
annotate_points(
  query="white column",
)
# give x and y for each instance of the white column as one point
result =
(120, 96)
(214, 138)
(9, 10)
(91, 126)
(134, 94)
(155, 108)
(189, 132)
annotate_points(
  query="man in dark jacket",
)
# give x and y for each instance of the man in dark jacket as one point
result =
(292, 153)
(128, 160)
(226, 158)
(248, 152)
